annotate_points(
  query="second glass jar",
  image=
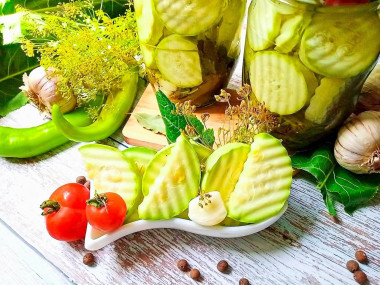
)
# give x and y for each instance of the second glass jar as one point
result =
(308, 63)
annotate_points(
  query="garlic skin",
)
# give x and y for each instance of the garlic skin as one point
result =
(41, 90)
(357, 147)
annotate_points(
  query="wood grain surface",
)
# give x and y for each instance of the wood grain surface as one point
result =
(305, 246)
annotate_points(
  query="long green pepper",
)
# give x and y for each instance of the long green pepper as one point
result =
(29, 142)
(110, 119)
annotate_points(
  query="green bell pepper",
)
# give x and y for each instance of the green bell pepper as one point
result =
(110, 119)
(29, 142)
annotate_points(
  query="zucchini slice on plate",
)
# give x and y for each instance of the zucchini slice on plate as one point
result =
(189, 18)
(178, 60)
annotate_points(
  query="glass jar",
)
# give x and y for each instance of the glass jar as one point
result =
(189, 46)
(308, 63)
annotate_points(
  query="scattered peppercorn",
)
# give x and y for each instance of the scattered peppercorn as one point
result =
(222, 266)
(87, 185)
(361, 256)
(81, 180)
(352, 265)
(243, 281)
(195, 274)
(183, 265)
(89, 259)
(360, 277)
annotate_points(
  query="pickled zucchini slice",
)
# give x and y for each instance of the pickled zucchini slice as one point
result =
(178, 60)
(223, 169)
(341, 45)
(311, 79)
(264, 25)
(150, 28)
(175, 186)
(277, 81)
(290, 33)
(230, 27)
(140, 156)
(326, 97)
(189, 18)
(148, 55)
(111, 171)
(264, 184)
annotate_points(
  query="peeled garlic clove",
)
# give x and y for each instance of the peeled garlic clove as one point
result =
(357, 147)
(207, 209)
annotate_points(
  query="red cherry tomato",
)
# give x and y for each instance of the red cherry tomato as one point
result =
(345, 2)
(106, 212)
(65, 212)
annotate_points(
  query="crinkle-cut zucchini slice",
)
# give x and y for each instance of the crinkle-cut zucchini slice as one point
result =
(223, 168)
(264, 184)
(189, 18)
(264, 25)
(178, 60)
(111, 171)
(277, 81)
(150, 28)
(326, 97)
(140, 156)
(176, 184)
(341, 46)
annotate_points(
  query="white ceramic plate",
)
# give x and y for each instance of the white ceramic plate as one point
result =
(96, 240)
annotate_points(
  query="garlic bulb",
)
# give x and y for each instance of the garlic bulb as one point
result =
(41, 90)
(357, 147)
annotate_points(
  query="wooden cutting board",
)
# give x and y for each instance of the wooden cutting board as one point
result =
(135, 134)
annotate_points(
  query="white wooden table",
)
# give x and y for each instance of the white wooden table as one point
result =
(305, 246)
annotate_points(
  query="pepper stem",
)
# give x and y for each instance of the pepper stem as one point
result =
(53, 206)
(99, 200)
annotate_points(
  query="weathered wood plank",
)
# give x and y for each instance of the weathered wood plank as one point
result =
(21, 264)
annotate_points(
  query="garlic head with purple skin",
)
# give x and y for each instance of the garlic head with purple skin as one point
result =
(357, 147)
(42, 91)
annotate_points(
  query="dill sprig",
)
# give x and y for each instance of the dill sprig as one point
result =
(242, 122)
(87, 50)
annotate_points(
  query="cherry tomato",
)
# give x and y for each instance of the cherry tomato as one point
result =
(345, 2)
(65, 212)
(106, 212)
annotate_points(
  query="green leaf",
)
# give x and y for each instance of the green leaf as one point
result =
(336, 183)
(13, 64)
(14, 103)
(174, 123)
(208, 137)
(151, 122)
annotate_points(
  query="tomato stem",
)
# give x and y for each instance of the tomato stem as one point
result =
(99, 200)
(53, 206)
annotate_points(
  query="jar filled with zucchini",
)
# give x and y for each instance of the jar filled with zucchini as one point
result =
(307, 62)
(189, 47)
